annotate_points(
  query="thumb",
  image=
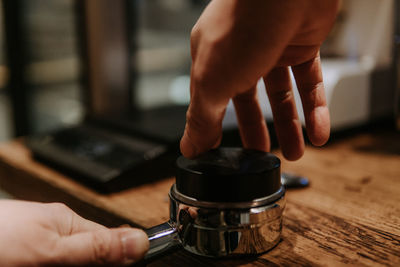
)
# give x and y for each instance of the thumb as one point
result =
(102, 247)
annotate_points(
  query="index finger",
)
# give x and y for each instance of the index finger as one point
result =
(203, 129)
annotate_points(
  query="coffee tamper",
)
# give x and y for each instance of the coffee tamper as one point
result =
(226, 202)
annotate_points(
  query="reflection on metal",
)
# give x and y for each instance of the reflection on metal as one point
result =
(219, 231)
(162, 238)
(291, 180)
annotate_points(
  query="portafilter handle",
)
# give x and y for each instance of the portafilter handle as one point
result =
(162, 238)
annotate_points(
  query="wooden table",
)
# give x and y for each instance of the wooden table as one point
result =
(349, 215)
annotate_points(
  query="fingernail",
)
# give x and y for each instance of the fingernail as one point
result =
(135, 244)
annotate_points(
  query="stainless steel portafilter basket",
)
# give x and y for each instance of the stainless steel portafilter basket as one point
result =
(226, 202)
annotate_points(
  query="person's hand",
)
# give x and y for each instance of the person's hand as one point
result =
(234, 44)
(35, 234)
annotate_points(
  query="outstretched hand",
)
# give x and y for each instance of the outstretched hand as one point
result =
(36, 234)
(233, 45)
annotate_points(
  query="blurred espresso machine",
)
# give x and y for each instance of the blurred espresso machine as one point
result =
(359, 63)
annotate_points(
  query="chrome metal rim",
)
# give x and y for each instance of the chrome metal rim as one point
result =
(226, 205)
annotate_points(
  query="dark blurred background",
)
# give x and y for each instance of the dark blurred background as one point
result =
(55, 68)
(54, 64)
(126, 63)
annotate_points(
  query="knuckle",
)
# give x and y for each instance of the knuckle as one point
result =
(194, 37)
(195, 122)
(202, 130)
(59, 207)
(199, 77)
(312, 87)
(195, 32)
(101, 248)
(217, 43)
(281, 96)
(205, 78)
(201, 118)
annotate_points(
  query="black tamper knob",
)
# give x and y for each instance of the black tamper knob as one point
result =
(229, 175)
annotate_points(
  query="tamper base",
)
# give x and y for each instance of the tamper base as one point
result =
(216, 232)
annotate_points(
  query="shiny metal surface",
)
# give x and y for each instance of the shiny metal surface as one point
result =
(227, 205)
(291, 180)
(217, 230)
(162, 238)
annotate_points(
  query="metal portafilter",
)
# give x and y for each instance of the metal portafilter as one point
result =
(228, 201)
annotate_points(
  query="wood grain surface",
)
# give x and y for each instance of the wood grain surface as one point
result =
(350, 214)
